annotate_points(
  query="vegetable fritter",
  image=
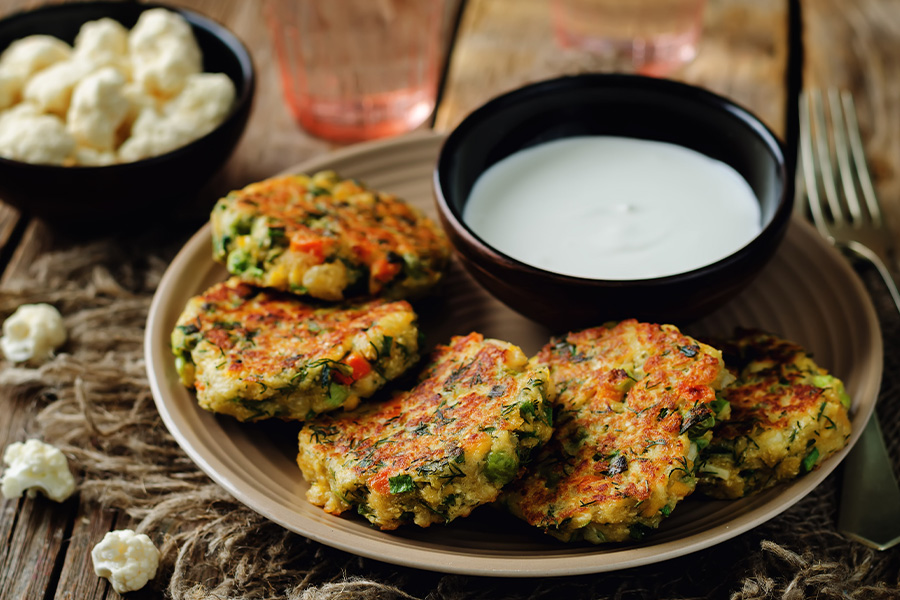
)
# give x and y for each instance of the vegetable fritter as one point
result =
(254, 353)
(327, 238)
(434, 453)
(787, 416)
(635, 403)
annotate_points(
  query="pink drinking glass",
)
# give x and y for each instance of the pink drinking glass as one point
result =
(354, 70)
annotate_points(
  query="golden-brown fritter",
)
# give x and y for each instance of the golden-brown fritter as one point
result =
(434, 453)
(327, 237)
(635, 401)
(255, 354)
(787, 416)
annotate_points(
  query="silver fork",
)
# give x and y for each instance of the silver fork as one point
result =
(847, 213)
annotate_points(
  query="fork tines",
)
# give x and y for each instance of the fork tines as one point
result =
(831, 150)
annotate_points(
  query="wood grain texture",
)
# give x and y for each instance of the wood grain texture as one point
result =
(854, 46)
(77, 580)
(36, 544)
(504, 44)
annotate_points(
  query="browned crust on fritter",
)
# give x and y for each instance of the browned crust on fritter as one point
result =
(631, 399)
(255, 353)
(788, 415)
(361, 241)
(435, 452)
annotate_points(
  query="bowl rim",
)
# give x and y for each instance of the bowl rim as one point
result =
(770, 232)
(243, 95)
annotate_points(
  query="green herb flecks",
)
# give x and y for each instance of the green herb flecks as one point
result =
(690, 351)
(322, 434)
(809, 461)
(337, 393)
(400, 484)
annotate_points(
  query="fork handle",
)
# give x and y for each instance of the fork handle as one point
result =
(870, 496)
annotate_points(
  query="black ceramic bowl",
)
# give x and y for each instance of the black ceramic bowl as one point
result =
(619, 105)
(81, 196)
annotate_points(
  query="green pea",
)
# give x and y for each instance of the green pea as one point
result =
(238, 261)
(500, 467)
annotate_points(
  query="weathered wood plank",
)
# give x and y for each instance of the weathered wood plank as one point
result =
(36, 240)
(36, 543)
(853, 46)
(26, 525)
(10, 219)
(77, 580)
(503, 44)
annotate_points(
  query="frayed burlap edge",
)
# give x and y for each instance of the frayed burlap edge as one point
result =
(97, 407)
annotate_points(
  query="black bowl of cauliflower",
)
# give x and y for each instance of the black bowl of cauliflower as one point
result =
(111, 110)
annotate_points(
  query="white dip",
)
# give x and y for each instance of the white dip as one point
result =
(613, 208)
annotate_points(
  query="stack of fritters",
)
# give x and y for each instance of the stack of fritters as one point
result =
(436, 452)
(634, 401)
(787, 416)
(280, 350)
(327, 238)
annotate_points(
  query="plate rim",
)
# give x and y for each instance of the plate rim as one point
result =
(456, 562)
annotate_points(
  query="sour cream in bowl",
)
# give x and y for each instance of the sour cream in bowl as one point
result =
(597, 197)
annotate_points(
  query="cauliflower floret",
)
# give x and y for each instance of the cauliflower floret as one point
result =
(103, 43)
(35, 466)
(138, 100)
(33, 332)
(11, 83)
(163, 52)
(149, 137)
(30, 54)
(98, 108)
(19, 111)
(51, 89)
(127, 559)
(35, 138)
(204, 103)
(92, 157)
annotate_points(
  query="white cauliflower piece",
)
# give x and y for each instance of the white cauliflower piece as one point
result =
(35, 466)
(138, 100)
(30, 54)
(19, 111)
(103, 43)
(32, 137)
(149, 137)
(204, 102)
(163, 51)
(33, 332)
(51, 89)
(127, 559)
(92, 157)
(11, 83)
(98, 108)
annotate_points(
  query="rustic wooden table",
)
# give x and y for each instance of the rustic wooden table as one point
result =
(758, 52)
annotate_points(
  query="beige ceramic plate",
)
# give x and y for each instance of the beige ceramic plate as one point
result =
(807, 293)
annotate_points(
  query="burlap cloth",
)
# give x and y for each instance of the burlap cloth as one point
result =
(96, 405)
